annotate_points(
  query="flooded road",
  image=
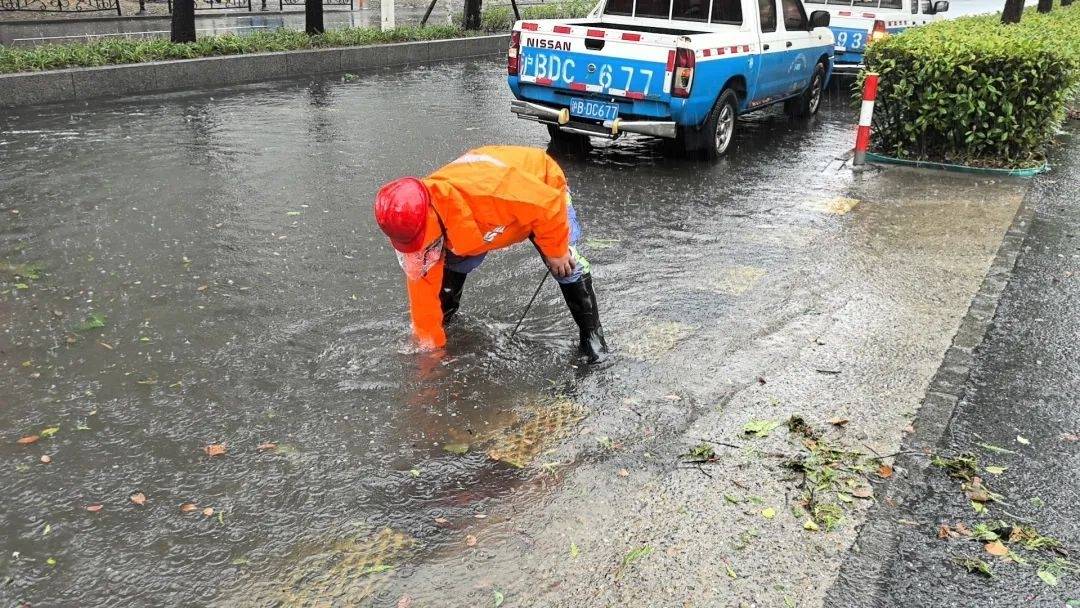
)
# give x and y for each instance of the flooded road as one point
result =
(188, 270)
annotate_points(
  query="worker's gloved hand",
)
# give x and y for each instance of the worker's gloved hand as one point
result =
(561, 267)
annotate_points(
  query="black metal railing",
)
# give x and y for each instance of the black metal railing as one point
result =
(60, 6)
(217, 5)
(283, 3)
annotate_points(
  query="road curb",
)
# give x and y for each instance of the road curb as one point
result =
(935, 166)
(55, 86)
(875, 545)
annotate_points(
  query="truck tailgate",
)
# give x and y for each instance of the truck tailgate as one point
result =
(597, 60)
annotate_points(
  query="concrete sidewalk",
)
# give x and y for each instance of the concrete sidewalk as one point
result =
(1022, 396)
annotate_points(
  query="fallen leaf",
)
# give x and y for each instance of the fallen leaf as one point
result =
(574, 551)
(480, 516)
(94, 508)
(996, 548)
(760, 428)
(52, 562)
(909, 429)
(993, 470)
(404, 601)
(441, 520)
(810, 525)
(28, 440)
(456, 448)
(768, 512)
(885, 471)
(624, 473)
(498, 598)
(961, 529)
(863, 492)
(994, 448)
(208, 512)
(188, 507)
(470, 540)
(976, 491)
(214, 449)
(838, 421)
(979, 507)
(106, 345)
(138, 498)
(414, 472)
(201, 288)
(46, 459)
(1022, 440)
(944, 532)
(1048, 577)
(269, 445)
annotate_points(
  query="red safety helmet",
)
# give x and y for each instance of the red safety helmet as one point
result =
(401, 209)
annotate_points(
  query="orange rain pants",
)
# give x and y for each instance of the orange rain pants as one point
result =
(489, 198)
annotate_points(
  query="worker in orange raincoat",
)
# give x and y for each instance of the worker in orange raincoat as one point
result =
(443, 225)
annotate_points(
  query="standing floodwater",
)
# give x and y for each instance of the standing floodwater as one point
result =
(183, 271)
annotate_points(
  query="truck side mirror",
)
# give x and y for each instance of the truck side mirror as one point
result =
(821, 18)
(941, 6)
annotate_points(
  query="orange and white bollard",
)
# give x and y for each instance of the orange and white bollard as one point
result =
(866, 115)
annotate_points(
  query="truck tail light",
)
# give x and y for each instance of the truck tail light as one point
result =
(512, 53)
(683, 76)
(879, 31)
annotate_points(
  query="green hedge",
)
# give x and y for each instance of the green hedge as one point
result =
(973, 91)
(126, 50)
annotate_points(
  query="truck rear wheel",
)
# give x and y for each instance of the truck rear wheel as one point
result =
(717, 133)
(808, 103)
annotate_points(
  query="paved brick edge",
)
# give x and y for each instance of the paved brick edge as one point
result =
(864, 566)
(186, 74)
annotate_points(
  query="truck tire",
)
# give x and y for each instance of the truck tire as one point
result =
(568, 141)
(716, 135)
(809, 102)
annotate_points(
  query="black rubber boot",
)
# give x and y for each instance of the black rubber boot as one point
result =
(581, 300)
(450, 294)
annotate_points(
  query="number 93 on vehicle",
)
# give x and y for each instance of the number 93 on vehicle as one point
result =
(597, 110)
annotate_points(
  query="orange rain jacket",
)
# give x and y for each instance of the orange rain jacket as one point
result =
(489, 198)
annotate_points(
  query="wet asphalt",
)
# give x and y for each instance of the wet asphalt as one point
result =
(225, 239)
(1023, 396)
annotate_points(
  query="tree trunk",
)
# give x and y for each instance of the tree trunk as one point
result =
(313, 17)
(1012, 12)
(1066, 2)
(472, 14)
(183, 21)
(1045, 5)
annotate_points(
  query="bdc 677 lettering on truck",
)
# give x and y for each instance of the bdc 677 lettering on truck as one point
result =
(677, 69)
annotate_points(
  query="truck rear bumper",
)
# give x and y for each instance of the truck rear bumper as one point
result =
(610, 129)
(847, 69)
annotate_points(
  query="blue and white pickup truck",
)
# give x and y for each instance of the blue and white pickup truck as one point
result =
(857, 23)
(677, 69)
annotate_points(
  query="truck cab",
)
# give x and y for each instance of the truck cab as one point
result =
(676, 69)
(857, 23)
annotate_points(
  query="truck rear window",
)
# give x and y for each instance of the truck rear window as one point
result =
(723, 11)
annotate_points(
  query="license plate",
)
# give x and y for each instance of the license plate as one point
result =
(596, 110)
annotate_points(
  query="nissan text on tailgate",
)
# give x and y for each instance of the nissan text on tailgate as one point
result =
(676, 69)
